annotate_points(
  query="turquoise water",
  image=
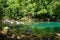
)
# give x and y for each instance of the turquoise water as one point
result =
(45, 27)
(46, 24)
(41, 27)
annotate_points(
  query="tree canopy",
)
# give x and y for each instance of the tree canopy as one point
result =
(17, 9)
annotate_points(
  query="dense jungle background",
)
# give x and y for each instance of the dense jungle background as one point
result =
(21, 15)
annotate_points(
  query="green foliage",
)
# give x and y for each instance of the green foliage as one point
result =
(16, 9)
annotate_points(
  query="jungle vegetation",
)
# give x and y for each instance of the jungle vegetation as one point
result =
(36, 10)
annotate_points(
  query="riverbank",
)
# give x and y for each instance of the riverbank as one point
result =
(8, 35)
